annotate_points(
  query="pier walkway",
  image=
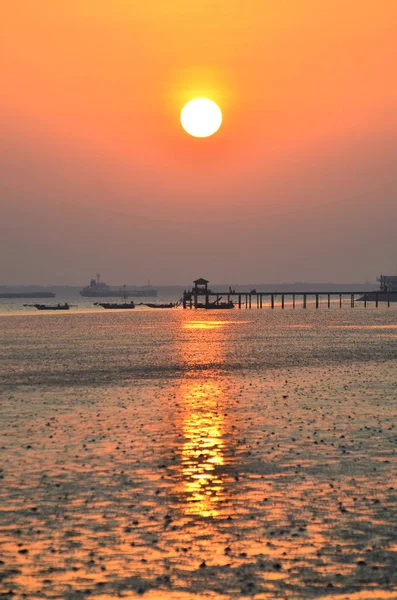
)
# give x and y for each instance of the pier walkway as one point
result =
(254, 299)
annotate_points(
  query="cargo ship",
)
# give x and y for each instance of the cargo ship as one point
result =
(99, 289)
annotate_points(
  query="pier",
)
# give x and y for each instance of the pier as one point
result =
(253, 299)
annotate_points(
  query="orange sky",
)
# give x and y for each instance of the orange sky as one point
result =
(90, 97)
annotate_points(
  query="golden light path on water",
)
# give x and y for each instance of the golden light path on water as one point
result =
(202, 451)
(203, 423)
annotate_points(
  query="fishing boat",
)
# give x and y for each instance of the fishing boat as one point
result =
(164, 305)
(65, 306)
(116, 305)
(216, 305)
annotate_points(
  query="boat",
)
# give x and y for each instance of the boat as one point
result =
(100, 289)
(164, 305)
(65, 306)
(378, 296)
(216, 305)
(386, 293)
(116, 305)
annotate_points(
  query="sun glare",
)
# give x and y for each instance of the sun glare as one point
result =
(201, 117)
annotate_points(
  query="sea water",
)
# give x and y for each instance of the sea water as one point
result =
(199, 454)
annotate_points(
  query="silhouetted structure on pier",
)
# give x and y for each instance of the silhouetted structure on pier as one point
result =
(201, 286)
(388, 283)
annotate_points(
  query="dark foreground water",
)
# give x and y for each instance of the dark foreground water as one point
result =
(187, 454)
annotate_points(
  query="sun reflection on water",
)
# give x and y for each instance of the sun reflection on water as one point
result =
(203, 324)
(203, 450)
(203, 419)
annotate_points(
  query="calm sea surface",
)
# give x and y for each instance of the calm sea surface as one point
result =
(198, 454)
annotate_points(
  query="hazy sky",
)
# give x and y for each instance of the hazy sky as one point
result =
(96, 173)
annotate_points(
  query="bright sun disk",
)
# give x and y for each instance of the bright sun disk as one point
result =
(201, 117)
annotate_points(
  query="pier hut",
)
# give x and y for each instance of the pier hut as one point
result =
(200, 286)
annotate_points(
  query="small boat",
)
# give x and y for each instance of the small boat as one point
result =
(116, 305)
(217, 305)
(164, 305)
(65, 306)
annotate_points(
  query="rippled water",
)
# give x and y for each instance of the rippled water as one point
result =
(197, 454)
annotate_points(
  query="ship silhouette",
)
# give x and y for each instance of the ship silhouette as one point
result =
(100, 289)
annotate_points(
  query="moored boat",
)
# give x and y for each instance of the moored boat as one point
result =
(116, 305)
(217, 305)
(164, 305)
(64, 306)
(378, 297)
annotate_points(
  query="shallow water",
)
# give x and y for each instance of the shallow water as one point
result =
(191, 454)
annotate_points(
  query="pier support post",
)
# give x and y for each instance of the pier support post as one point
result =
(340, 300)
(317, 300)
(293, 300)
(250, 298)
(329, 300)
(261, 298)
(195, 300)
(352, 300)
(304, 300)
(376, 300)
(282, 300)
(388, 300)
(272, 300)
(365, 300)
(239, 300)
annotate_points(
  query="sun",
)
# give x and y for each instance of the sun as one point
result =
(201, 117)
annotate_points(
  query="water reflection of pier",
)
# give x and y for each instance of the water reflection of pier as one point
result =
(253, 298)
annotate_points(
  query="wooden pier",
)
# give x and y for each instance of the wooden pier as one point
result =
(248, 300)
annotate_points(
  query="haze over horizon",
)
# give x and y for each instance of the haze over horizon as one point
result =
(96, 173)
